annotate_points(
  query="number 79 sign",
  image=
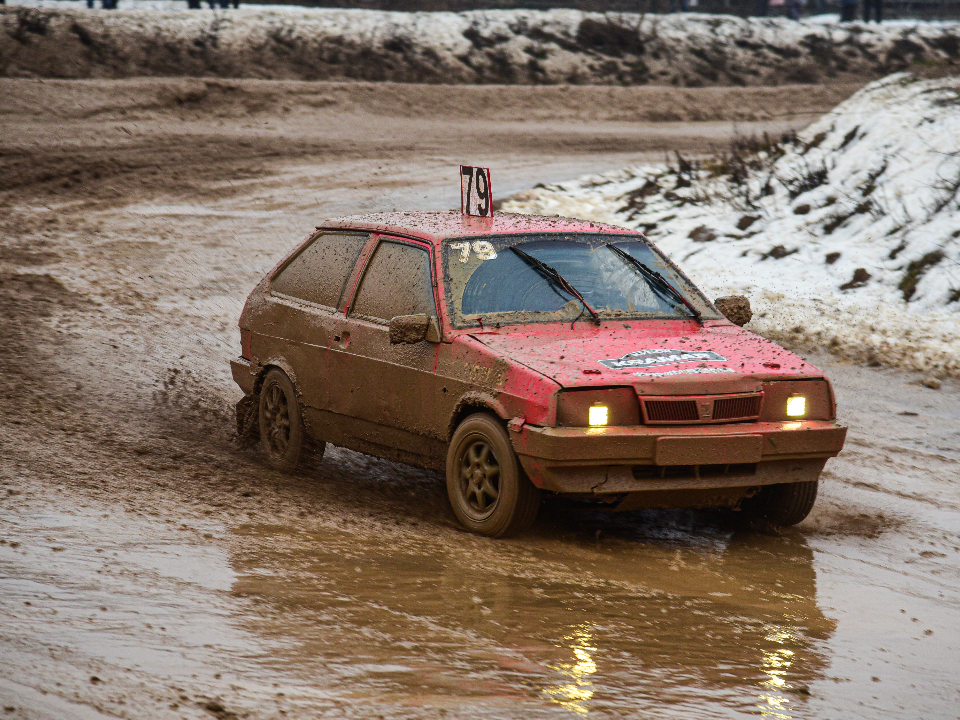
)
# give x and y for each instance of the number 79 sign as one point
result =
(476, 197)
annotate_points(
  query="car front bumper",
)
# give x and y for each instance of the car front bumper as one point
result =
(613, 460)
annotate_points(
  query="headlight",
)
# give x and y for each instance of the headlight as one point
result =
(598, 415)
(598, 408)
(797, 400)
(796, 406)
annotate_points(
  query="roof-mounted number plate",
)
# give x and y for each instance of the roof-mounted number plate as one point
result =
(476, 195)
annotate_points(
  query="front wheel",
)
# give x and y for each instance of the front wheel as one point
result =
(488, 490)
(284, 439)
(782, 505)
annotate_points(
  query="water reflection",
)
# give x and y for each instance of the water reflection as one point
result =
(573, 695)
(698, 622)
(775, 665)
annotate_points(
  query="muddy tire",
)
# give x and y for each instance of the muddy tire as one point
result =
(489, 492)
(782, 505)
(283, 438)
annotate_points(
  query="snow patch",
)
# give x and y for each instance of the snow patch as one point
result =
(53, 39)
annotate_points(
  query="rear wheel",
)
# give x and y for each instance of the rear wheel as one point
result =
(488, 490)
(785, 504)
(283, 438)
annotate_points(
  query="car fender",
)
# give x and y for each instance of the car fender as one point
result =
(474, 400)
(282, 364)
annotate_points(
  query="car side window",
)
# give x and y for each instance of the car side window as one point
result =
(319, 273)
(396, 282)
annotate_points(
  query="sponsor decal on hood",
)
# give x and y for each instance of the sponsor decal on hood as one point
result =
(685, 371)
(660, 356)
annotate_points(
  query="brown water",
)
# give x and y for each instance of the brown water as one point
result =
(643, 619)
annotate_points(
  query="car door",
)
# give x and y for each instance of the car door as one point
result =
(383, 390)
(301, 316)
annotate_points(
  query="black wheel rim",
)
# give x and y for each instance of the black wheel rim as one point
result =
(479, 479)
(276, 414)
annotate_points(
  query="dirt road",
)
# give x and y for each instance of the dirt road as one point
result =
(149, 568)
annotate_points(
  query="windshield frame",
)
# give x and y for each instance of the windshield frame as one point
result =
(452, 287)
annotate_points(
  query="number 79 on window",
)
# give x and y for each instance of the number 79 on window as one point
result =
(476, 196)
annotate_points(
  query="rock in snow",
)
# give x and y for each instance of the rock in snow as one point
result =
(845, 238)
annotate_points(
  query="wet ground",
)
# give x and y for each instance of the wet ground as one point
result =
(150, 568)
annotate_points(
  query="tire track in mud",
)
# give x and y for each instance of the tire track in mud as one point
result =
(231, 133)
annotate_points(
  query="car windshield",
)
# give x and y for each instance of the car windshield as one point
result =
(489, 283)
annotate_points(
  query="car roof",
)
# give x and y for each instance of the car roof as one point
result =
(436, 226)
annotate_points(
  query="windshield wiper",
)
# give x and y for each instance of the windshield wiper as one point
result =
(552, 274)
(657, 282)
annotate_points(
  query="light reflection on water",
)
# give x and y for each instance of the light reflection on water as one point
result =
(574, 695)
(648, 622)
(776, 664)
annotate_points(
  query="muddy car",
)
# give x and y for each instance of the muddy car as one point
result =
(525, 355)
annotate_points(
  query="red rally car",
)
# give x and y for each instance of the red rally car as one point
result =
(523, 355)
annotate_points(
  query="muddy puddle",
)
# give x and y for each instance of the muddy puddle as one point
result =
(644, 614)
(637, 620)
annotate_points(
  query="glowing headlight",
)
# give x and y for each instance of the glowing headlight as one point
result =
(597, 415)
(796, 406)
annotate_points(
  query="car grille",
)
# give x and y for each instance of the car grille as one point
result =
(737, 408)
(671, 411)
(702, 409)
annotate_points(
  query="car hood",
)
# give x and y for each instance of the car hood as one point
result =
(656, 357)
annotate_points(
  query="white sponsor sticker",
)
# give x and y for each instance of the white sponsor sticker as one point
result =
(687, 371)
(660, 356)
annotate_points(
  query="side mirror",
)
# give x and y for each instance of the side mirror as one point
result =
(736, 308)
(411, 329)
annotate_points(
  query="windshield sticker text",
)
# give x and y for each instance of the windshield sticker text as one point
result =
(660, 356)
(481, 248)
(686, 371)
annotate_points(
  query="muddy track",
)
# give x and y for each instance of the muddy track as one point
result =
(152, 568)
(186, 136)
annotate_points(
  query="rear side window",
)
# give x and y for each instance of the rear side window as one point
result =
(319, 273)
(396, 282)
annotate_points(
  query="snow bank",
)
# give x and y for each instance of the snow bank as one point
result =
(505, 46)
(845, 238)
